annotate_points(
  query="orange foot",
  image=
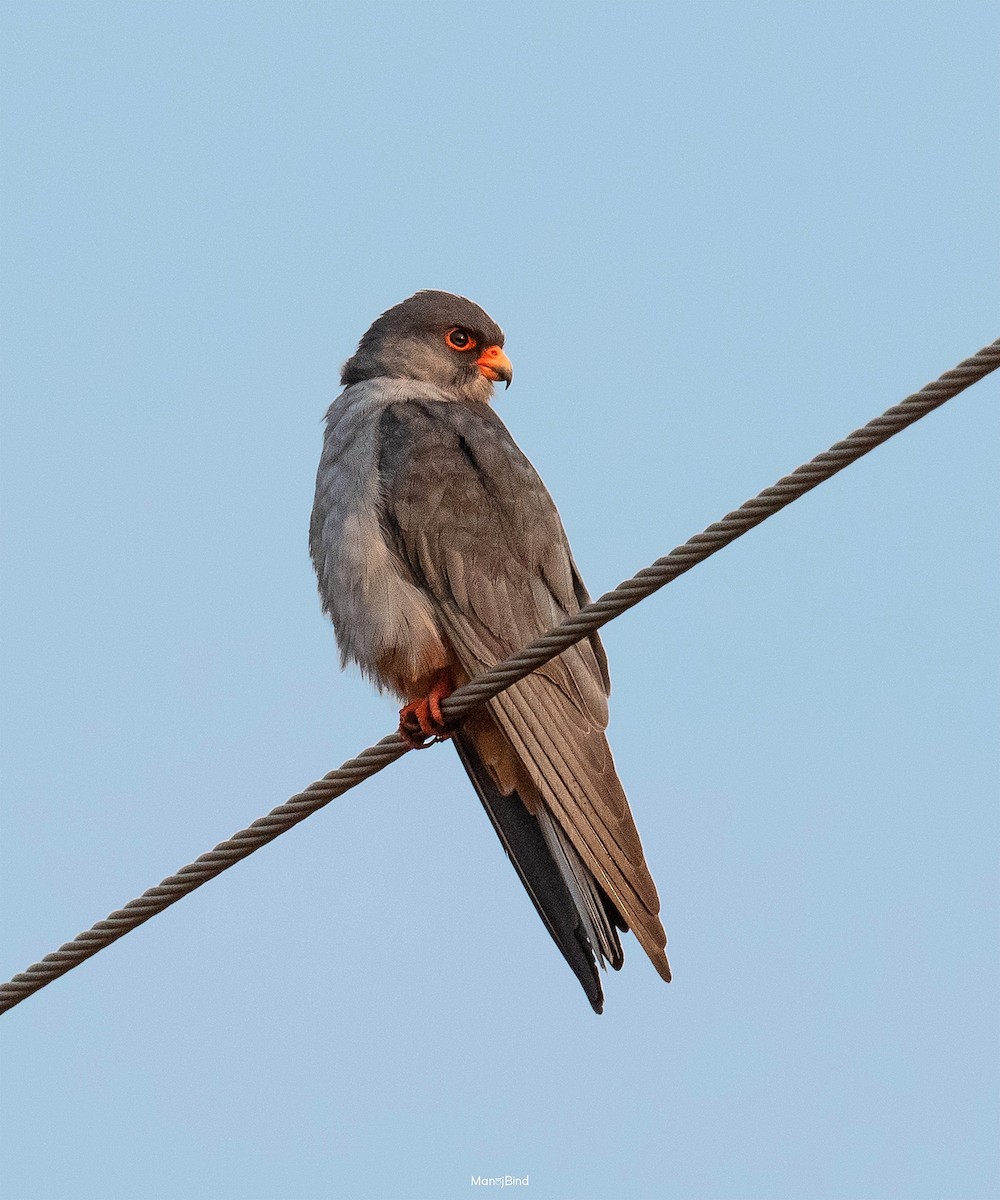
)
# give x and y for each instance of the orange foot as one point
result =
(423, 719)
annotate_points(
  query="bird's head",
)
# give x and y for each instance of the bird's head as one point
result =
(437, 338)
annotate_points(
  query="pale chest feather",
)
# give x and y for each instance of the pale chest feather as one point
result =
(381, 620)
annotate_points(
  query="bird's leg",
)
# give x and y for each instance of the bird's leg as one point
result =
(422, 719)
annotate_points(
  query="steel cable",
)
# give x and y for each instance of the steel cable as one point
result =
(490, 683)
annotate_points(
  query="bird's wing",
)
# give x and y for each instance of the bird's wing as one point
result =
(468, 517)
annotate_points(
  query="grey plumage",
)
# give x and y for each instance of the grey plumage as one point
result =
(378, 614)
(438, 549)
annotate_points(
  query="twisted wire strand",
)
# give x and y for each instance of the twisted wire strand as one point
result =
(484, 687)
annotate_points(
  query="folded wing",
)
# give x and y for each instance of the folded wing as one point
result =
(468, 517)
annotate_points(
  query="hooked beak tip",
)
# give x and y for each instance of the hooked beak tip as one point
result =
(495, 365)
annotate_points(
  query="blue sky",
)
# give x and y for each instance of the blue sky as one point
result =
(718, 238)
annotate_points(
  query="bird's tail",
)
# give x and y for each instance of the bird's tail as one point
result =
(576, 912)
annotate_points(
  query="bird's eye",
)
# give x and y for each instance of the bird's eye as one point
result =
(460, 339)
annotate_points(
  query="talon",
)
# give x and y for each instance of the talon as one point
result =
(411, 728)
(421, 722)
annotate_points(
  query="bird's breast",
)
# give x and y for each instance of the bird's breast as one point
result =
(382, 620)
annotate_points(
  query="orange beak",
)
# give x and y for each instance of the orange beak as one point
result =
(495, 365)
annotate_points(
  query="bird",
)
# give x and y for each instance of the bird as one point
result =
(438, 552)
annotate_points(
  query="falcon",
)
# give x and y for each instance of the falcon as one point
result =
(439, 552)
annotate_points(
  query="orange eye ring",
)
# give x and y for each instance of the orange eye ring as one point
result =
(460, 339)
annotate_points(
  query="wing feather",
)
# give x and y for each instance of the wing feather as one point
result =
(474, 525)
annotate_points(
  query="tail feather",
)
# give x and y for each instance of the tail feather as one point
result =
(590, 901)
(576, 912)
